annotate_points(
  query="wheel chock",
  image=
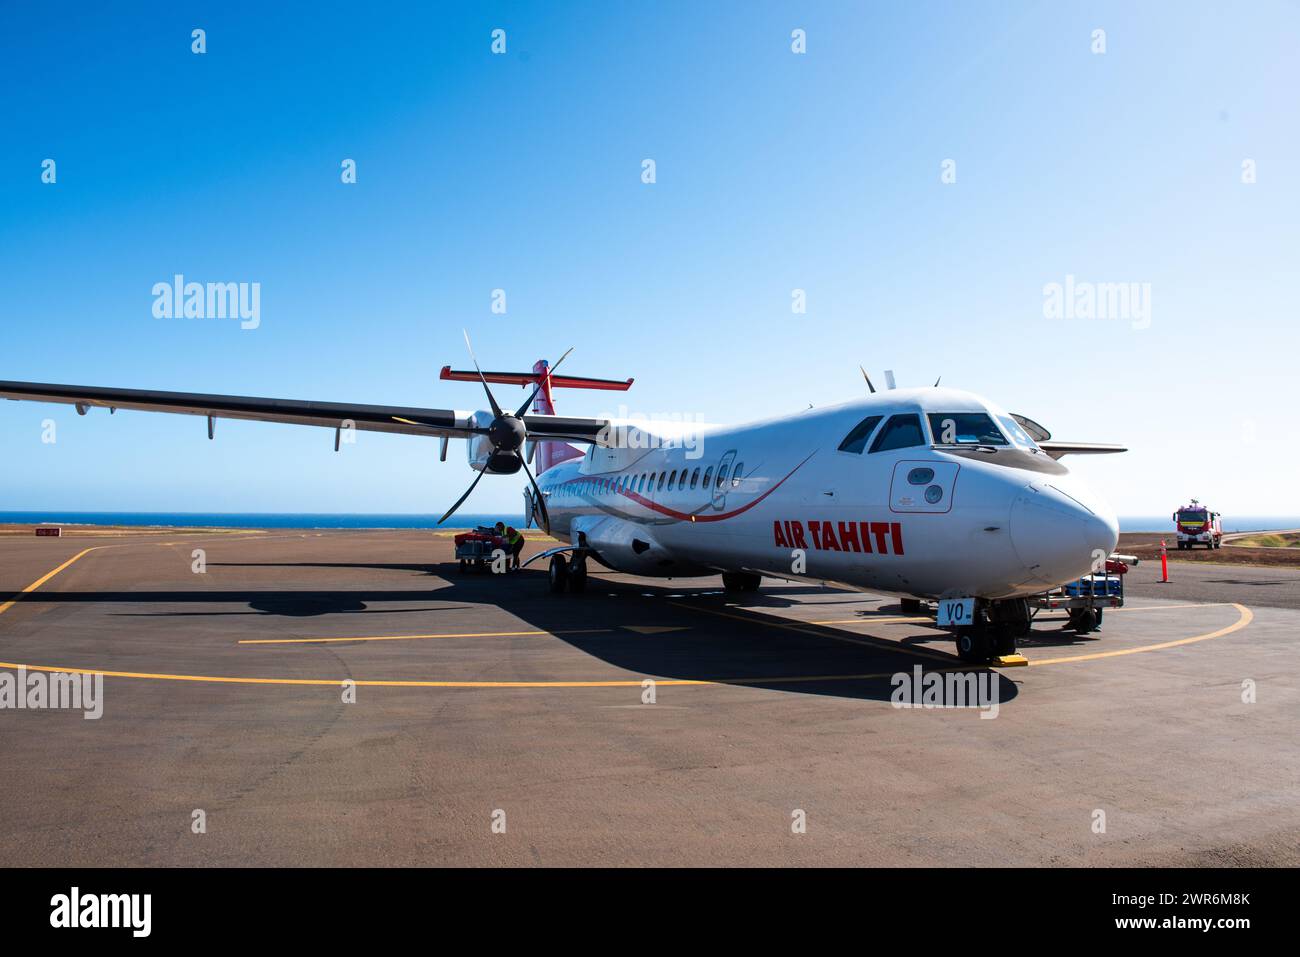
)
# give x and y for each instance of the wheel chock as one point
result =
(1010, 661)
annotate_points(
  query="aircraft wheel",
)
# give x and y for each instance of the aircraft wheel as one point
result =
(741, 581)
(1004, 641)
(974, 645)
(559, 573)
(577, 576)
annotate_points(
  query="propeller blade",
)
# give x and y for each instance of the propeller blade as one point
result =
(496, 409)
(524, 408)
(868, 378)
(461, 501)
(538, 497)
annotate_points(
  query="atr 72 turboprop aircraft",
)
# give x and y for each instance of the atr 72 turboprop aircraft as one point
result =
(920, 493)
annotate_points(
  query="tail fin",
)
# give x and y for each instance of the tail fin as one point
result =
(551, 452)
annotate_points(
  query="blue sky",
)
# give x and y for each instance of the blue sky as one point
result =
(522, 171)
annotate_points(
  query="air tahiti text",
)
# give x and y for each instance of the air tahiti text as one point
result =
(878, 538)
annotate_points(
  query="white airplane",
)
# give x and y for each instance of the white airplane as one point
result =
(920, 493)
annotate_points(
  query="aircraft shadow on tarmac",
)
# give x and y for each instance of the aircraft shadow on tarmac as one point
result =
(678, 631)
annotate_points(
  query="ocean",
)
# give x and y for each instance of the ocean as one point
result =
(255, 519)
(1141, 523)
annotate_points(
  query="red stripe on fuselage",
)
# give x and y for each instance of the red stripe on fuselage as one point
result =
(688, 516)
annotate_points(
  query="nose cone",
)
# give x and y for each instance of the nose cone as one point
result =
(1057, 537)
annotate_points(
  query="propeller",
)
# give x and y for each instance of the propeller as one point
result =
(507, 433)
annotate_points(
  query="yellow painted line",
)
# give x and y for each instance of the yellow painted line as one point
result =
(1191, 604)
(467, 634)
(336, 682)
(788, 626)
(43, 579)
(1246, 616)
(877, 620)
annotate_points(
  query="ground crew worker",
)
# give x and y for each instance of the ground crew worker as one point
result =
(514, 541)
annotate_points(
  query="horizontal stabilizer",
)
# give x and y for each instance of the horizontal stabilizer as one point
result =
(532, 378)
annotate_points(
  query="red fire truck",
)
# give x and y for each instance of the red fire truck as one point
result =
(1197, 525)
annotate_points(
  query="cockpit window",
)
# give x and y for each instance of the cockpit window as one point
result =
(856, 440)
(965, 428)
(900, 432)
(1017, 435)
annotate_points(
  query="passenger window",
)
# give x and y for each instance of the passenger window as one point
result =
(900, 432)
(695, 478)
(671, 479)
(650, 485)
(856, 440)
(735, 475)
(640, 485)
(722, 476)
(660, 486)
(708, 475)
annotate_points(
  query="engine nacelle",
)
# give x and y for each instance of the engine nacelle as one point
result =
(483, 456)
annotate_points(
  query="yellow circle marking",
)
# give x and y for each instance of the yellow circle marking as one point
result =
(1244, 619)
(464, 634)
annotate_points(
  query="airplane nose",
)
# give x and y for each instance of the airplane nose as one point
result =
(1056, 536)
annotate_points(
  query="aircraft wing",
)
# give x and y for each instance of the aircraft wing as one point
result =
(1057, 449)
(369, 418)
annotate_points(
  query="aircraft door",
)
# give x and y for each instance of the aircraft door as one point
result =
(718, 494)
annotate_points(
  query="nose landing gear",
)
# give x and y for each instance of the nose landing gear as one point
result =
(997, 627)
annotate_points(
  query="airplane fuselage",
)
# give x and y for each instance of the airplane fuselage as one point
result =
(867, 494)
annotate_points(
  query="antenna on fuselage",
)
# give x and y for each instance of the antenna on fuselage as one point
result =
(868, 378)
(937, 381)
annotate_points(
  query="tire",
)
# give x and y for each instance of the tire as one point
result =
(910, 606)
(1088, 618)
(577, 576)
(974, 645)
(1097, 624)
(1004, 642)
(559, 574)
(734, 582)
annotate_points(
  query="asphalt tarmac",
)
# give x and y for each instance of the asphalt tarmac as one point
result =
(492, 723)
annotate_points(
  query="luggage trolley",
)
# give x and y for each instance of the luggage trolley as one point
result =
(474, 548)
(1088, 597)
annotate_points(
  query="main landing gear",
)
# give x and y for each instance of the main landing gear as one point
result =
(568, 574)
(998, 625)
(734, 582)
